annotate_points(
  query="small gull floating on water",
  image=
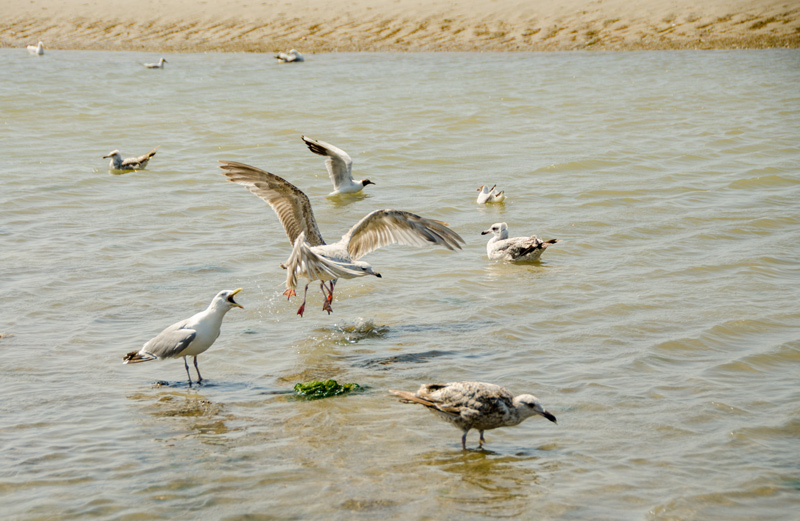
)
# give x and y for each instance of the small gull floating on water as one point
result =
(189, 337)
(36, 49)
(500, 246)
(159, 65)
(289, 57)
(475, 405)
(339, 165)
(311, 258)
(131, 163)
(488, 195)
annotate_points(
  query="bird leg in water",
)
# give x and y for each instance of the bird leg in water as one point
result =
(186, 364)
(481, 441)
(302, 307)
(199, 378)
(464, 441)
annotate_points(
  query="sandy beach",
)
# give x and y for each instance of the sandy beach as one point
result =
(399, 25)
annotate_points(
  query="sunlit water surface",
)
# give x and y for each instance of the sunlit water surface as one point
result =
(663, 331)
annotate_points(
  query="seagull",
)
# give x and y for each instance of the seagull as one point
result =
(159, 65)
(488, 195)
(340, 167)
(131, 163)
(188, 337)
(515, 248)
(475, 405)
(289, 57)
(311, 257)
(36, 49)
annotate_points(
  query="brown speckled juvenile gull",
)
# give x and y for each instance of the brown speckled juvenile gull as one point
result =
(475, 405)
(501, 247)
(189, 337)
(311, 258)
(339, 165)
(131, 163)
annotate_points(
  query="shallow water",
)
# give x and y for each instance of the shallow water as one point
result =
(663, 330)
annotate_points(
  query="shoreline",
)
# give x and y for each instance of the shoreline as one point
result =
(316, 26)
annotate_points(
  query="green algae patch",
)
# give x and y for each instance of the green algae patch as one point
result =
(323, 389)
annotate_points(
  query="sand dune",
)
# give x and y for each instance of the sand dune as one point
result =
(399, 25)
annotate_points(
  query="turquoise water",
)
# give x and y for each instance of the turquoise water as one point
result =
(662, 331)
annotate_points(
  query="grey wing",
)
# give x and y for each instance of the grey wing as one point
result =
(289, 202)
(338, 162)
(383, 227)
(136, 161)
(171, 342)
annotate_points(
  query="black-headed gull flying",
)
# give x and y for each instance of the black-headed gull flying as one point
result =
(339, 165)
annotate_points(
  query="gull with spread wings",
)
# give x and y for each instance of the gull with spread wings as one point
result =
(339, 165)
(311, 257)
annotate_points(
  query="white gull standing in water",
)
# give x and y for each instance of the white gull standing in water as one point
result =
(501, 247)
(131, 163)
(488, 195)
(189, 337)
(475, 405)
(36, 49)
(340, 167)
(289, 57)
(159, 65)
(311, 258)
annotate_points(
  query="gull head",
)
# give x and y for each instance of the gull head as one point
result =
(365, 182)
(111, 154)
(528, 405)
(500, 230)
(225, 300)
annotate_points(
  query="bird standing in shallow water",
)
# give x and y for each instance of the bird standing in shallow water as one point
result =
(520, 249)
(475, 405)
(339, 165)
(311, 258)
(131, 163)
(188, 337)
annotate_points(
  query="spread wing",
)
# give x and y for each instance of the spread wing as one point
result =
(339, 164)
(383, 227)
(289, 202)
(171, 342)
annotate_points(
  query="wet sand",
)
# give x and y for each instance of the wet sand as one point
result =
(399, 25)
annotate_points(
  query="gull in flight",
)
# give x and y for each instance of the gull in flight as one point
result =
(488, 195)
(475, 405)
(159, 65)
(500, 247)
(289, 57)
(131, 163)
(340, 167)
(36, 49)
(189, 337)
(311, 257)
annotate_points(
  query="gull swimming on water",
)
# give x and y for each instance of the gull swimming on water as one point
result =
(159, 65)
(488, 195)
(475, 405)
(36, 49)
(289, 57)
(189, 337)
(311, 258)
(131, 163)
(516, 248)
(340, 167)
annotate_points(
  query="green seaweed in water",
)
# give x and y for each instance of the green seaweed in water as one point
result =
(323, 389)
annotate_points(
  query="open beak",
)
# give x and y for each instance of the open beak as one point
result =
(230, 298)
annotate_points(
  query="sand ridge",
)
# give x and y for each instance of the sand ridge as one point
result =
(399, 25)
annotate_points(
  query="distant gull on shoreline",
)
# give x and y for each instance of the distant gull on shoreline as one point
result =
(189, 337)
(36, 49)
(339, 165)
(314, 260)
(289, 57)
(475, 405)
(521, 249)
(159, 65)
(488, 195)
(131, 163)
